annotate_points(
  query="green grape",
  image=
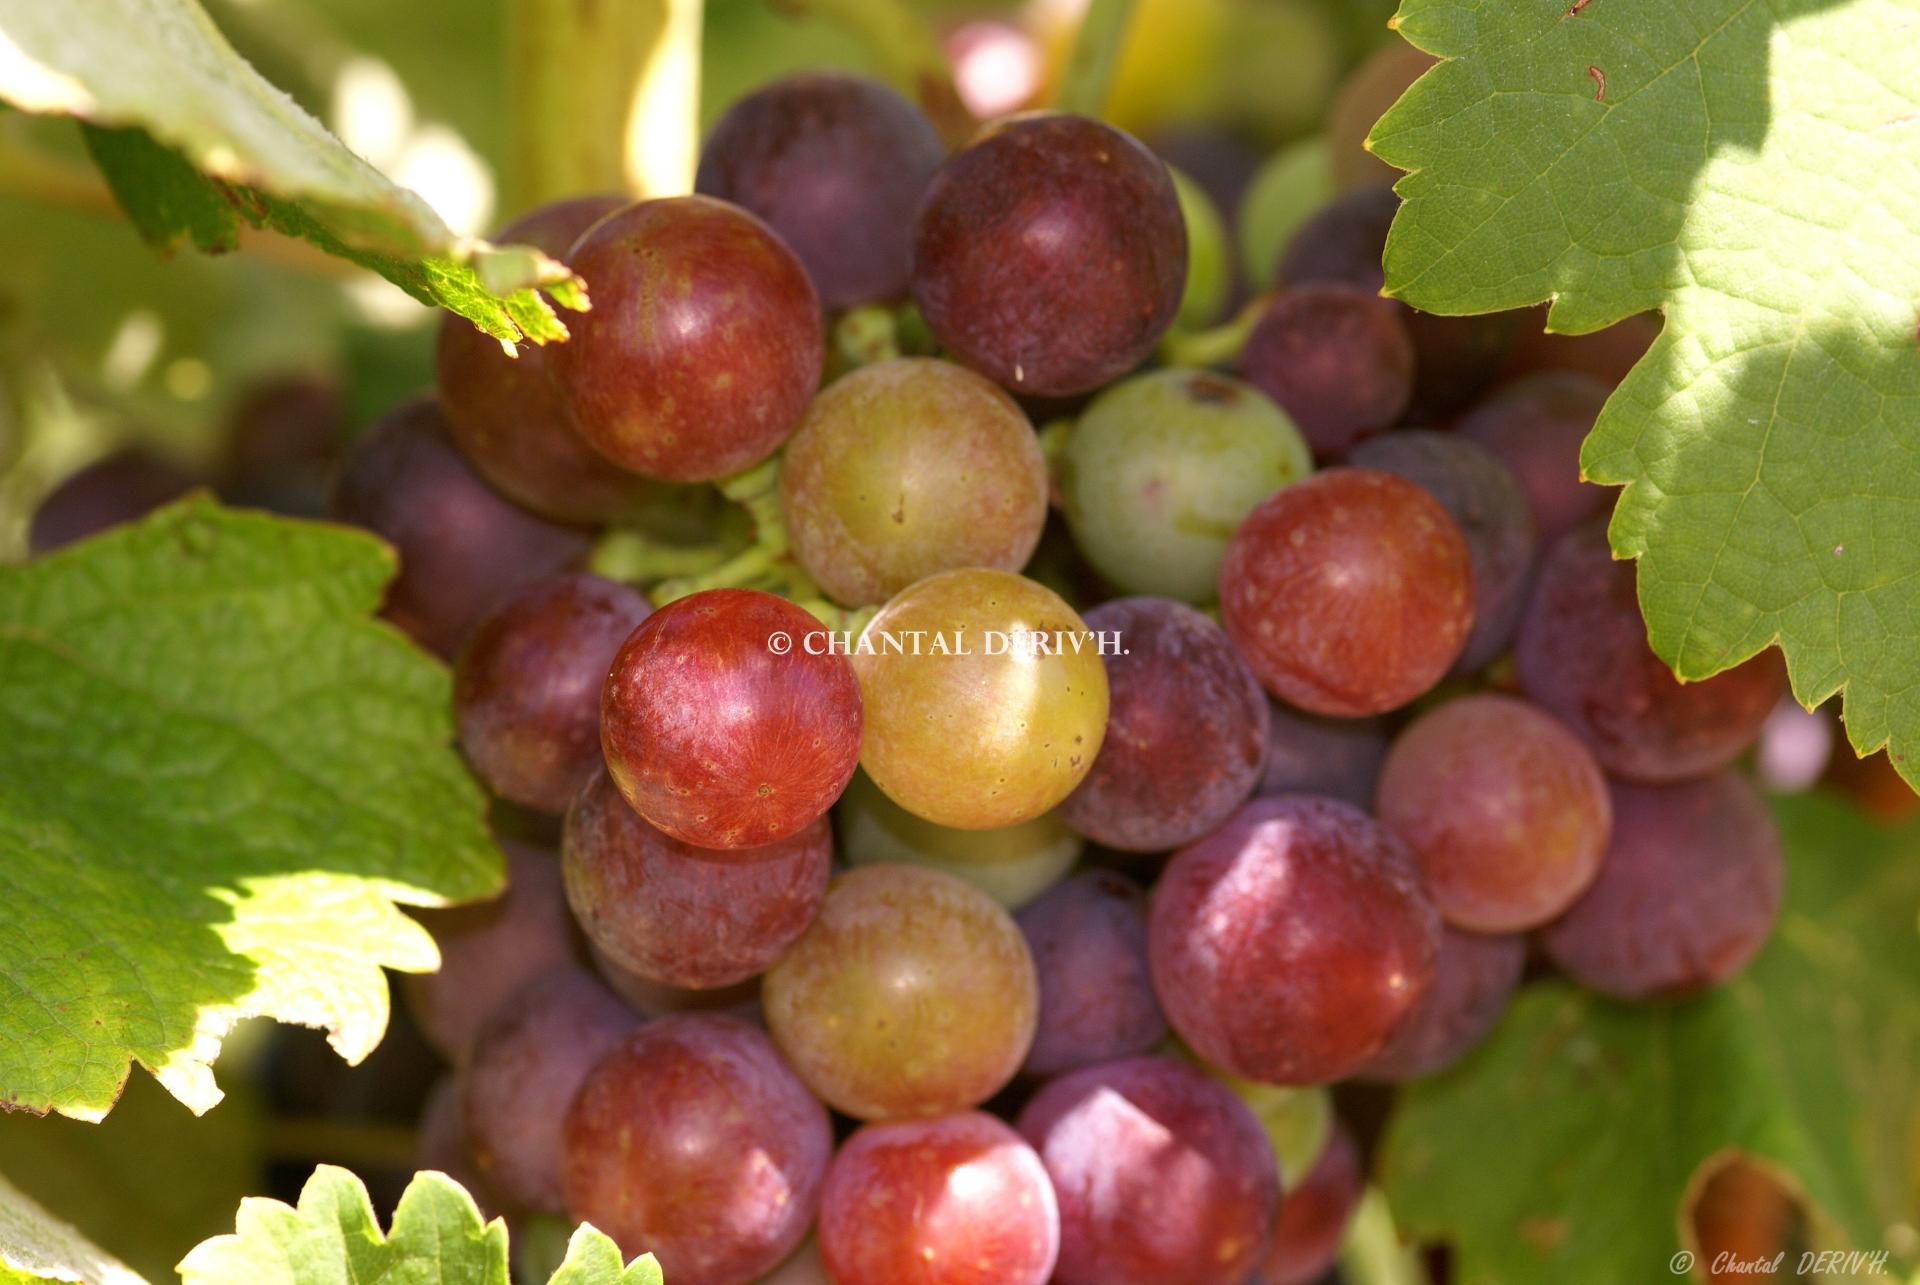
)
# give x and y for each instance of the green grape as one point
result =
(969, 723)
(1209, 274)
(1163, 467)
(1293, 184)
(911, 994)
(1012, 865)
(908, 467)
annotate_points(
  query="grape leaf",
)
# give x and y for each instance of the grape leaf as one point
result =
(36, 1246)
(1561, 1150)
(217, 775)
(1748, 167)
(437, 1236)
(194, 142)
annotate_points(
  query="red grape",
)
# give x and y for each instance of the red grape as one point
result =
(1313, 1217)
(704, 345)
(526, 691)
(1607, 355)
(1287, 944)
(1686, 896)
(490, 949)
(835, 164)
(912, 994)
(440, 1142)
(1348, 593)
(1535, 427)
(1336, 359)
(528, 1060)
(1504, 809)
(741, 1000)
(695, 1142)
(506, 416)
(125, 485)
(1089, 942)
(463, 548)
(1162, 1174)
(1473, 979)
(284, 438)
(957, 1200)
(1337, 757)
(1496, 521)
(1186, 730)
(906, 468)
(716, 737)
(1050, 253)
(1583, 654)
(685, 916)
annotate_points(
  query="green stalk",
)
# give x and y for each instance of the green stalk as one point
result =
(1088, 79)
(1372, 1253)
(1219, 346)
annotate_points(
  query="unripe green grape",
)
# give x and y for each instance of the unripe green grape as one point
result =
(1012, 865)
(1295, 182)
(1208, 269)
(1163, 467)
(979, 729)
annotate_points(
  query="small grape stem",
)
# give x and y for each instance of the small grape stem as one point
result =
(904, 49)
(762, 563)
(1372, 1253)
(1219, 346)
(638, 558)
(1088, 80)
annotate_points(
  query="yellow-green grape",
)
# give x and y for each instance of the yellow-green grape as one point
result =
(1208, 272)
(985, 699)
(910, 995)
(1163, 467)
(1289, 188)
(1012, 865)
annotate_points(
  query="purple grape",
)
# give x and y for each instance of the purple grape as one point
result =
(1535, 426)
(526, 691)
(836, 164)
(1307, 754)
(1313, 1217)
(1050, 253)
(1474, 977)
(1089, 942)
(1494, 517)
(1186, 730)
(1336, 359)
(123, 486)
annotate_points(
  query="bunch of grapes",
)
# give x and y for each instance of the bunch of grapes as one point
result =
(951, 867)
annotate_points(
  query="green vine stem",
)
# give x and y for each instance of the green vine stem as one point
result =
(1372, 1253)
(1088, 78)
(906, 51)
(605, 97)
(638, 558)
(1219, 346)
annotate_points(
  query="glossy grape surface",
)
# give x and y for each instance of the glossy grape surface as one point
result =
(957, 1200)
(463, 548)
(528, 1061)
(911, 994)
(1163, 466)
(1535, 427)
(504, 412)
(1050, 254)
(836, 164)
(906, 468)
(526, 690)
(1089, 942)
(1336, 359)
(684, 916)
(490, 949)
(1162, 1174)
(1486, 501)
(717, 737)
(996, 733)
(1686, 896)
(1350, 593)
(704, 345)
(694, 1141)
(1013, 864)
(1337, 757)
(1582, 653)
(1474, 977)
(1287, 944)
(1186, 730)
(1313, 1217)
(1505, 810)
